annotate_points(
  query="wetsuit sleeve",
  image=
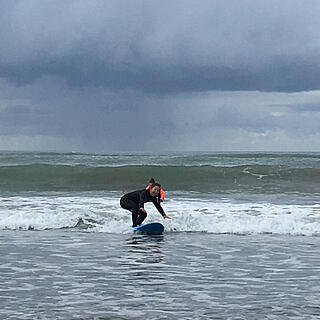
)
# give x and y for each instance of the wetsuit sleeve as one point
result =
(143, 199)
(158, 206)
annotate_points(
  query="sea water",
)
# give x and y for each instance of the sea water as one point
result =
(242, 242)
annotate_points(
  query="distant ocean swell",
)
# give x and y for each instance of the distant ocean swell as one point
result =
(207, 179)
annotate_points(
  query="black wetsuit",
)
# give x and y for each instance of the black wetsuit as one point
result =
(135, 200)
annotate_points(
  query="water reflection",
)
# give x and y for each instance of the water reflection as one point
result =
(144, 238)
(144, 257)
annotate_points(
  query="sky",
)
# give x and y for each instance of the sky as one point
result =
(159, 76)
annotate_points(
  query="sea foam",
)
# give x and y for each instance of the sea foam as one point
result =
(102, 213)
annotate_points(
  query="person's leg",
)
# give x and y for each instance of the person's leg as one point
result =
(134, 217)
(141, 217)
(132, 207)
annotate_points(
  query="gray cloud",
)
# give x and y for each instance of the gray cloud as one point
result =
(51, 115)
(168, 47)
(144, 76)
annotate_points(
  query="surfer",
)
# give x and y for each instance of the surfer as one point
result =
(161, 192)
(134, 202)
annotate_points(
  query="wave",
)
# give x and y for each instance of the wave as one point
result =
(103, 214)
(207, 179)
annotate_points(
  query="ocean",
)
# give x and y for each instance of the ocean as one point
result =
(242, 242)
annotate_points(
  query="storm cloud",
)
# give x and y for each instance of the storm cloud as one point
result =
(164, 47)
(169, 75)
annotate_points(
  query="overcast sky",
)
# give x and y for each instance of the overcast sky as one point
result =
(106, 76)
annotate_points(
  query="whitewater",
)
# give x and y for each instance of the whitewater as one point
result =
(103, 214)
(244, 193)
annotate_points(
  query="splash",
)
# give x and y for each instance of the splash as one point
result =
(102, 213)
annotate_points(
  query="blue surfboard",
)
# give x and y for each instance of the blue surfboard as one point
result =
(150, 228)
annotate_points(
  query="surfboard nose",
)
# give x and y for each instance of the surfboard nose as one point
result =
(150, 228)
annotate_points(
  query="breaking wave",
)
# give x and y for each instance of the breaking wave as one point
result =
(103, 214)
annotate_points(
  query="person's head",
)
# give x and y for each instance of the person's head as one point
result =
(154, 189)
(151, 181)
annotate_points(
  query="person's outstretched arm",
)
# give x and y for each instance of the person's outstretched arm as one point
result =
(160, 209)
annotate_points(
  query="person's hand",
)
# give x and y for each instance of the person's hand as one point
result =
(166, 217)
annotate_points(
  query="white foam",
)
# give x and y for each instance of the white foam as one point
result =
(105, 215)
(246, 218)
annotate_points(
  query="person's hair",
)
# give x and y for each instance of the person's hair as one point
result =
(152, 180)
(155, 185)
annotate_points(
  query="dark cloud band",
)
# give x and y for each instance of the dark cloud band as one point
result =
(194, 46)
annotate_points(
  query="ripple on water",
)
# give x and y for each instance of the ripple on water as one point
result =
(63, 275)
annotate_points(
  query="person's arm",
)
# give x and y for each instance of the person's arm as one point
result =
(160, 209)
(143, 199)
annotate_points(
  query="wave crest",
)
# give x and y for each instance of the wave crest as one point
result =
(208, 179)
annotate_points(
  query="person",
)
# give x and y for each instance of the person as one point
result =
(161, 193)
(134, 202)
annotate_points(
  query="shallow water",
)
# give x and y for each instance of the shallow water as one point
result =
(64, 274)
